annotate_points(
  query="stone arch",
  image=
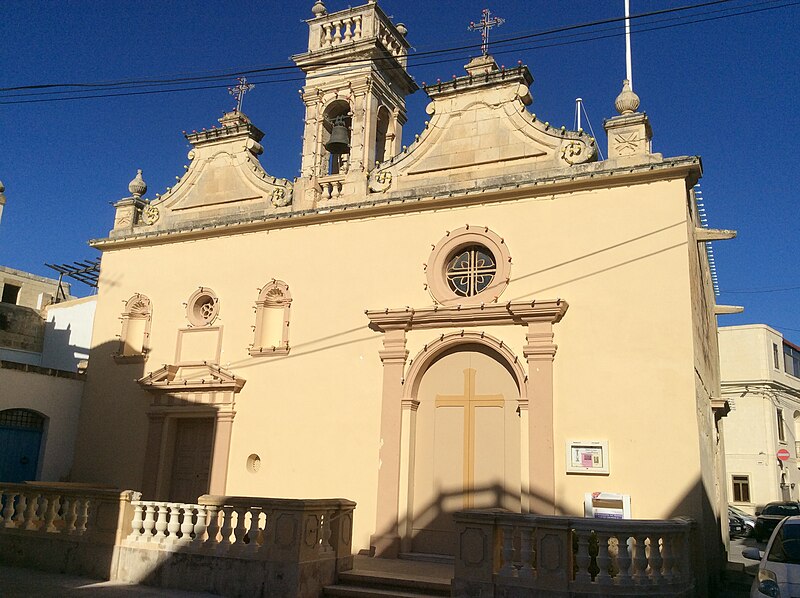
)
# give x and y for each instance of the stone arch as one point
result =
(447, 342)
(334, 164)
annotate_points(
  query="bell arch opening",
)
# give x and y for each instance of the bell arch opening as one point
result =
(337, 126)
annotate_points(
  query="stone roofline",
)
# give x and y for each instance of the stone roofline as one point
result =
(584, 176)
(36, 277)
(35, 369)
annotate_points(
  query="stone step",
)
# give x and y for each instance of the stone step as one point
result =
(396, 585)
(427, 558)
(360, 591)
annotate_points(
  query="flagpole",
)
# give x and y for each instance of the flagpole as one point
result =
(629, 70)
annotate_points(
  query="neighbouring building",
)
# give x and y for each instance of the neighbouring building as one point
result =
(43, 350)
(488, 317)
(761, 382)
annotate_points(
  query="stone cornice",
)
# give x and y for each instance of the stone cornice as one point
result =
(590, 176)
(520, 312)
(168, 379)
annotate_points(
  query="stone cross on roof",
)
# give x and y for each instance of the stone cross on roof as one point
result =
(239, 90)
(486, 23)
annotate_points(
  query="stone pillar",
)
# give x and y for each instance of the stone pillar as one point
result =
(386, 540)
(408, 433)
(540, 352)
(219, 457)
(152, 454)
(525, 456)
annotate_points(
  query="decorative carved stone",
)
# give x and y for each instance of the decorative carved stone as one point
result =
(380, 181)
(285, 530)
(150, 215)
(473, 546)
(280, 198)
(576, 152)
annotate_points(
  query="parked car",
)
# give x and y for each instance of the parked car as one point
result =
(771, 515)
(746, 520)
(779, 569)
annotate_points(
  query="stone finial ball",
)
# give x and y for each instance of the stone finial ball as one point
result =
(137, 186)
(319, 9)
(627, 102)
(402, 29)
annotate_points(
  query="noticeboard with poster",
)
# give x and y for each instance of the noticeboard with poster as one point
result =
(587, 456)
(607, 505)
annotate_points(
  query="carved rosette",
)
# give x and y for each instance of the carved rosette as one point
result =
(280, 197)
(577, 152)
(380, 181)
(150, 215)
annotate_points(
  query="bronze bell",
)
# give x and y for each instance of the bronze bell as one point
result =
(339, 142)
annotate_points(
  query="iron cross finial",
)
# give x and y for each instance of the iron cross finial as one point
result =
(486, 23)
(239, 90)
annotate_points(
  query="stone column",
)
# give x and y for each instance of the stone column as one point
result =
(219, 457)
(386, 540)
(152, 454)
(525, 456)
(540, 352)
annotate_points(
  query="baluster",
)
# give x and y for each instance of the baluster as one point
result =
(8, 511)
(200, 524)
(348, 29)
(603, 559)
(149, 522)
(70, 515)
(136, 524)
(173, 513)
(187, 523)
(31, 520)
(52, 513)
(640, 561)
(19, 518)
(328, 28)
(337, 33)
(161, 521)
(225, 530)
(212, 514)
(252, 530)
(83, 515)
(507, 569)
(667, 557)
(357, 28)
(583, 559)
(656, 562)
(624, 560)
(526, 552)
(239, 530)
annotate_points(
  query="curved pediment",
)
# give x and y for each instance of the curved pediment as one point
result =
(480, 128)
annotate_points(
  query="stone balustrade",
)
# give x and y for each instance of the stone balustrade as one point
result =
(354, 25)
(562, 556)
(245, 527)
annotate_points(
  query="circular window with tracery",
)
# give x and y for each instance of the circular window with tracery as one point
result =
(202, 307)
(471, 270)
(468, 265)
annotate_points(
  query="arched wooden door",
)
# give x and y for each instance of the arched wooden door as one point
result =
(467, 446)
(21, 433)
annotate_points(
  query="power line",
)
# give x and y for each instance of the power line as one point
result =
(757, 291)
(262, 78)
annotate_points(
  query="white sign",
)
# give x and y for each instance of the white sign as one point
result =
(607, 505)
(587, 456)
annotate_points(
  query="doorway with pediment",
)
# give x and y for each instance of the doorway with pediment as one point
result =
(466, 445)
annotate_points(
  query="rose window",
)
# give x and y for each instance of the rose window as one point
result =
(471, 270)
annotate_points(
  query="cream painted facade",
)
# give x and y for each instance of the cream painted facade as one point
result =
(762, 386)
(320, 337)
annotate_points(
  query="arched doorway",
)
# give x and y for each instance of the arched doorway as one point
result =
(21, 433)
(467, 443)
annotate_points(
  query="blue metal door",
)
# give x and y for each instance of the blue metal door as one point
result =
(20, 442)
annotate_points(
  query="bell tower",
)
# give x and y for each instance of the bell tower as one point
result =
(355, 89)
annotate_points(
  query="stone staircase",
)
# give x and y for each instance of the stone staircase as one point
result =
(393, 579)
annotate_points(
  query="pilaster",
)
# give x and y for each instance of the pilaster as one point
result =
(540, 351)
(220, 456)
(152, 454)
(386, 540)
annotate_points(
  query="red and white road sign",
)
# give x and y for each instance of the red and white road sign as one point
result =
(783, 455)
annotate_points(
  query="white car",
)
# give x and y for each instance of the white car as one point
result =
(779, 569)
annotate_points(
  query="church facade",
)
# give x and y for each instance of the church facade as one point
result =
(487, 316)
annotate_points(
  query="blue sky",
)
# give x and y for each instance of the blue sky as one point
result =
(723, 89)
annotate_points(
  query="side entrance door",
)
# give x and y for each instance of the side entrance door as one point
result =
(191, 461)
(20, 442)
